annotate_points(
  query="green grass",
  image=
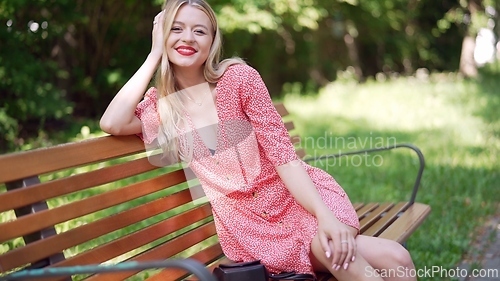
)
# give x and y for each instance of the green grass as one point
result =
(455, 122)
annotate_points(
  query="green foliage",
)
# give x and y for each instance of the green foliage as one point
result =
(79, 53)
(56, 60)
(30, 95)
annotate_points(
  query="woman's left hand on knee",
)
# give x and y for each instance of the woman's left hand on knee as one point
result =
(338, 241)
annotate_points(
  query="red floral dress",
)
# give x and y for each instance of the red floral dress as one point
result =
(255, 215)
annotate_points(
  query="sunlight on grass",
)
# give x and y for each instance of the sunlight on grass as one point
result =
(455, 122)
(438, 113)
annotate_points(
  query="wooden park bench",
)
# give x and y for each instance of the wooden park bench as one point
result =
(100, 201)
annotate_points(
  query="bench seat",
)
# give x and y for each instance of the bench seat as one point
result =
(100, 201)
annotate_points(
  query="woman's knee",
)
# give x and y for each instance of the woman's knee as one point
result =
(400, 255)
(384, 253)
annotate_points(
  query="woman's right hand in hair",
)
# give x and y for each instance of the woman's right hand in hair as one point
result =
(158, 34)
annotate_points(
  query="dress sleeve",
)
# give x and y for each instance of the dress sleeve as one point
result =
(147, 112)
(271, 133)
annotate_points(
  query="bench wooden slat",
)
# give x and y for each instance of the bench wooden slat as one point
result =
(406, 224)
(222, 260)
(366, 209)
(205, 256)
(43, 219)
(55, 244)
(386, 220)
(301, 153)
(174, 246)
(295, 140)
(358, 206)
(41, 192)
(374, 216)
(289, 126)
(164, 251)
(26, 164)
(281, 109)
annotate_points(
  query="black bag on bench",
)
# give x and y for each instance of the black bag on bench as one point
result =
(241, 271)
(254, 271)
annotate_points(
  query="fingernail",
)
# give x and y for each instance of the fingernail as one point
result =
(338, 267)
(346, 265)
(334, 267)
(327, 255)
(353, 258)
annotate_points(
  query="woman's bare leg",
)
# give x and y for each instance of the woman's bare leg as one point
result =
(389, 258)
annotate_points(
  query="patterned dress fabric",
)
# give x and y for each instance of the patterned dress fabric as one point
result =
(255, 215)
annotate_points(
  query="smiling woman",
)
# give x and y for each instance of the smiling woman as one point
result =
(217, 117)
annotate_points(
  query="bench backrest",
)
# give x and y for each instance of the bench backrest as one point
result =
(106, 202)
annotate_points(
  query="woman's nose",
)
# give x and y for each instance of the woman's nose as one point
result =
(187, 36)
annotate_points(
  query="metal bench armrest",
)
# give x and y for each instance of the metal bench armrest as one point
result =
(402, 145)
(189, 265)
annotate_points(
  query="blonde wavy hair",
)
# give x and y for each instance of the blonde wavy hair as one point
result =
(170, 106)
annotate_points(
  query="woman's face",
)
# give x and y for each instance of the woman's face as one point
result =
(189, 40)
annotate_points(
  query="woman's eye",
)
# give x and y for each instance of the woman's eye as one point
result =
(176, 29)
(199, 31)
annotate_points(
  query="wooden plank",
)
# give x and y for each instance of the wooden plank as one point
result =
(407, 223)
(386, 220)
(374, 216)
(41, 220)
(205, 256)
(358, 205)
(20, 165)
(153, 232)
(300, 153)
(280, 107)
(43, 191)
(289, 126)
(164, 251)
(295, 140)
(211, 266)
(30, 209)
(366, 209)
(76, 236)
(221, 260)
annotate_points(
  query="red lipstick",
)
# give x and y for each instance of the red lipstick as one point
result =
(186, 50)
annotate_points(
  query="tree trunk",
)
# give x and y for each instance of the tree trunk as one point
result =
(468, 66)
(352, 51)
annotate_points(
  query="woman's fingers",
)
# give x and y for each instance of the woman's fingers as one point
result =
(336, 253)
(344, 249)
(350, 245)
(338, 242)
(354, 249)
(159, 17)
(325, 245)
(158, 33)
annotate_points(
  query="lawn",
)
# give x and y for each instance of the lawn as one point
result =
(456, 124)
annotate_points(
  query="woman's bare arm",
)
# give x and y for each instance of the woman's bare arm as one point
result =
(119, 117)
(331, 231)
